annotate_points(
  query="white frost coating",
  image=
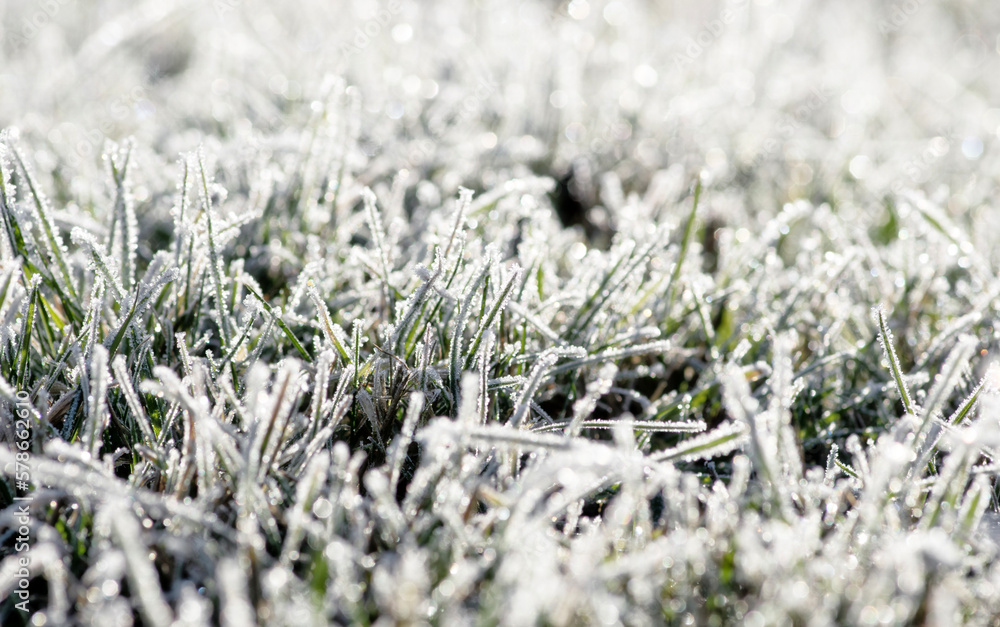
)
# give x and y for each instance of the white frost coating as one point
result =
(97, 415)
(141, 574)
(539, 371)
(719, 441)
(236, 609)
(375, 357)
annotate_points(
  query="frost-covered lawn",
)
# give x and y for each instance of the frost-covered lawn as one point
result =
(499, 312)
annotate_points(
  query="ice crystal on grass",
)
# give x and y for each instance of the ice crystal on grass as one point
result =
(499, 313)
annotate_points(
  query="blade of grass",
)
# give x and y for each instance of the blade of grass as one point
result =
(885, 338)
(685, 244)
(281, 324)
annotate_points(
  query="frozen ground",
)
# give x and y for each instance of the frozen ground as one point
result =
(499, 312)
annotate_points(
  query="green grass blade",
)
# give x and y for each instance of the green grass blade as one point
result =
(885, 338)
(685, 244)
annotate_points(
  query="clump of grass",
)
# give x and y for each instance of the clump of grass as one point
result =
(279, 380)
